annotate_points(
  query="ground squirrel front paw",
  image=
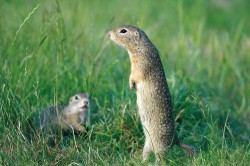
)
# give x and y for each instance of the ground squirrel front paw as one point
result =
(81, 129)
(131, 84)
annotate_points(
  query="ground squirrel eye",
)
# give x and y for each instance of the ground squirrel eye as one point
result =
(76, 97)
(123, 31)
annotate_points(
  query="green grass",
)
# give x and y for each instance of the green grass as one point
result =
(49, 50)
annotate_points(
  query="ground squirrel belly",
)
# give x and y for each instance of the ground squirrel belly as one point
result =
(69, 117)
(153, 97)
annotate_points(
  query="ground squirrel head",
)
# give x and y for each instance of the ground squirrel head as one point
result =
(131, 38)
(79, 103)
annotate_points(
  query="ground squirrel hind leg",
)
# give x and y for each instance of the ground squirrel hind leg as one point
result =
(147, 149)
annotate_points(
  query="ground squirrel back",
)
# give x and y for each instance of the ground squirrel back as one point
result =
(153, 97)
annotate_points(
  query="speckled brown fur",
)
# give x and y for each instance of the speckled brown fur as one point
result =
(153, 97)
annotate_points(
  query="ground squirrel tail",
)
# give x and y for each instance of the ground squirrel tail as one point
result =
(191, 151)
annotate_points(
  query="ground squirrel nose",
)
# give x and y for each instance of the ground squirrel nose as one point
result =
(85, 102)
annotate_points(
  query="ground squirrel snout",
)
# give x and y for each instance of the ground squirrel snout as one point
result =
(153, 97)
(69, 117)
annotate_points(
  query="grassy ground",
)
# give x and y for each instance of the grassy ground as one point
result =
(49, 50)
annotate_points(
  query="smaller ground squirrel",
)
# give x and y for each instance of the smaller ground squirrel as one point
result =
(69, 117)
(153, 97)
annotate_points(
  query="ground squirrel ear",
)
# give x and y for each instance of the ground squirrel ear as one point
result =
(137, 34)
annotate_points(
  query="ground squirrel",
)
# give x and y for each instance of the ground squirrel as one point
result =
(69, 117)
(153, 97)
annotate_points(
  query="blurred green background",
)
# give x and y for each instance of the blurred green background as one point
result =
(50, 50)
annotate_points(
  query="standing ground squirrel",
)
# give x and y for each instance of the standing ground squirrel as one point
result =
(69, 117)
(153, 97)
